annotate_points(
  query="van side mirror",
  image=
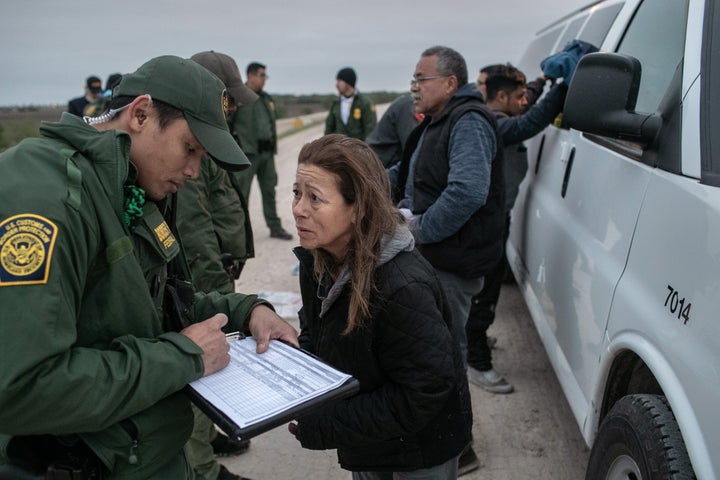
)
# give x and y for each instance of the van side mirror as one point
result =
(601, 99)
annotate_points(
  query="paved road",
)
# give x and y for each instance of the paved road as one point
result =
(529, 434)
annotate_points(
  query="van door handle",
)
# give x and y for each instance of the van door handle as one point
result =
(568, 168)
(539, 154)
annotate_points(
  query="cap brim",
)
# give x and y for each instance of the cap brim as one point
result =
(220, 145)
(241, 93)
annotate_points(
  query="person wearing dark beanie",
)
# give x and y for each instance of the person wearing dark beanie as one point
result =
(348, 76)
(352, 113)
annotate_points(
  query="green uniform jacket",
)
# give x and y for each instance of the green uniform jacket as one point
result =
(361, 121)
(212, 219)
(83, 345)
(244, 128)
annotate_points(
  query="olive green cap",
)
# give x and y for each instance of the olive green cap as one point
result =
(200, 95)
(225, 68)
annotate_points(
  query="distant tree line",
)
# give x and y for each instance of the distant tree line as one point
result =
(17, 123)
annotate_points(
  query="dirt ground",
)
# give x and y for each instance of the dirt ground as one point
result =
(529, 434)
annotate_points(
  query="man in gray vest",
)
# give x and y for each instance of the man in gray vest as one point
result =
(449, 185)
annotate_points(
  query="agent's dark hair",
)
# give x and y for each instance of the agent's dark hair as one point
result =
(504, 78)
(254, 67)
(363, 183)
(167, 114)
(450, 62)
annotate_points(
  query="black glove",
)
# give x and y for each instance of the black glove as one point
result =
(233, 266)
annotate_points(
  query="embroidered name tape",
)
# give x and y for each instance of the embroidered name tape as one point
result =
(26, 248)
(164, 235)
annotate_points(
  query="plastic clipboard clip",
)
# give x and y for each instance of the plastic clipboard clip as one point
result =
(234, 336)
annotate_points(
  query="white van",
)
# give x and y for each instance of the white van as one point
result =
(615, 236)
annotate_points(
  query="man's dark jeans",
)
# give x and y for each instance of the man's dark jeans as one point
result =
(482, 313)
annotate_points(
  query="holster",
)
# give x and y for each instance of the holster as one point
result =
(177, 304)
(265, 146)
(233, 267)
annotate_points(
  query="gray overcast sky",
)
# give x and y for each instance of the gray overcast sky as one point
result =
(49, 47)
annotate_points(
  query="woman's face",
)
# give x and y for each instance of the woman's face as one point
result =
(322, 217)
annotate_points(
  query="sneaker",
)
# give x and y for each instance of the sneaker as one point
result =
(467, 461)
(226, 474)
(489, 380)
(224, 446)
(280, 233)
(491, 341)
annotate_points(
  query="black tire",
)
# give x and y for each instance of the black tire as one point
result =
(639, 439)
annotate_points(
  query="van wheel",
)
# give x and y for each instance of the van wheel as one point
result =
(639, 439)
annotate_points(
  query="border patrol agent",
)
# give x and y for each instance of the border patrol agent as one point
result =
(100, 329)
(99, 105)
(215, 227)
(93, 88)
(352, 113)
(214, 219)
(254, 127)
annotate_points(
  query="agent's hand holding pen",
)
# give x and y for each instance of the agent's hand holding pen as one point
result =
(264, 325)
(209, 336)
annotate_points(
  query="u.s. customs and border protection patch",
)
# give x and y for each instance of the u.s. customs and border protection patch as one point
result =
(26, 248)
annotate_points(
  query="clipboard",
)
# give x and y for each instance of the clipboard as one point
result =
(290, 382)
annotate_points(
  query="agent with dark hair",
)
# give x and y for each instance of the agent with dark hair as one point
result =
(373, 307)
(100, 321)
(255, 130)
(352, 113)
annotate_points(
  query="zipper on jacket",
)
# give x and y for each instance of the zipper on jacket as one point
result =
(132, 431)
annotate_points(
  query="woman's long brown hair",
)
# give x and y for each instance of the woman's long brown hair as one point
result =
(363, 183)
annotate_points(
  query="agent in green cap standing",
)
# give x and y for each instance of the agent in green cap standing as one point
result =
(214, 223)
(101, 331)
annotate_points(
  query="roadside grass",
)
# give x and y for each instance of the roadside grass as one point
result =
(14, 130)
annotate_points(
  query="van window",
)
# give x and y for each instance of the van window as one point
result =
(599, 24)
(539, 49)
(656, 37)
(592, 30)
(571, 32)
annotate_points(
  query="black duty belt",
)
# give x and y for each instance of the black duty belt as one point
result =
(265, 146)
(48, 457)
